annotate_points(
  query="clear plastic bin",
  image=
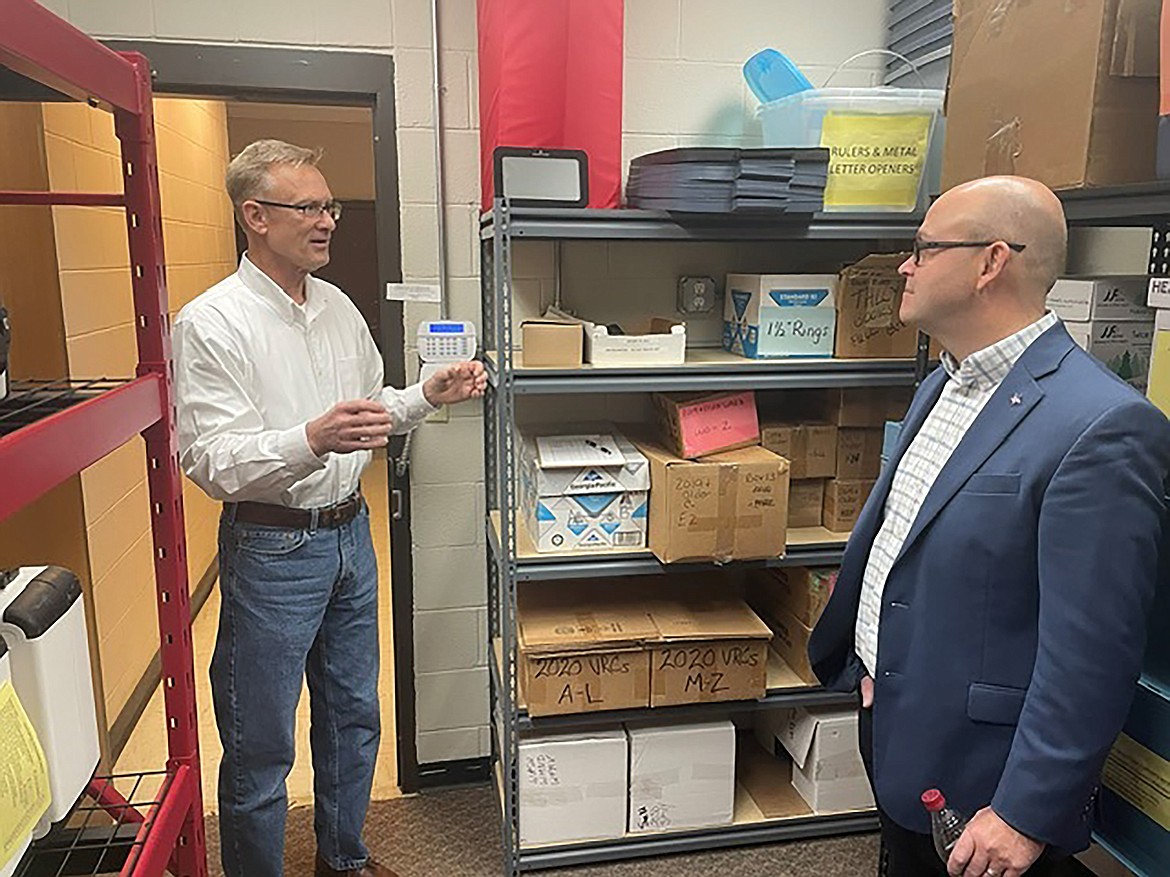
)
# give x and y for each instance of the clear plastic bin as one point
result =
(798, 120)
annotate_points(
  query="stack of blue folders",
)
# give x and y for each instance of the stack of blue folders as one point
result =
(727, 180)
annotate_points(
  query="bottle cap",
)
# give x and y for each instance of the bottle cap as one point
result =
(933, 800)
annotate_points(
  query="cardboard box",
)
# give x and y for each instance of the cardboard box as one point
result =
(584, 492)
(1086, 116)
(869, 294)
(573, 787)
(826, 765)
(859, 453)
(799, 590)
(843, 503)
(582, 651)
(806, 500)
(790, 641)
(1124, 348)
(1158, 388)
(681, 776)
(659, 342)
(695, 426)
(1117, 299)
(1135, 794)
(1109, 251)
(809, 448)
(779, 315)
(729, 506)
(869, 406)
(551, 344)
(708, 650)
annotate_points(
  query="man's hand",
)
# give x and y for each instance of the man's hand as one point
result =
(989, 846)
(866, 692)
(457, 382)
(357, 425)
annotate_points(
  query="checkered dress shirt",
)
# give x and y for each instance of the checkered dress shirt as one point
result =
(972, 383)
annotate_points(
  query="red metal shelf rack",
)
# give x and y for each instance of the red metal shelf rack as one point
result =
(145, 835)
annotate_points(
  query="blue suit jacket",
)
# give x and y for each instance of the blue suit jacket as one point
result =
(1013, 620)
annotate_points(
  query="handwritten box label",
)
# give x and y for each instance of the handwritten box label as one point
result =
(707, 425)
(586, 681)
(707, 672)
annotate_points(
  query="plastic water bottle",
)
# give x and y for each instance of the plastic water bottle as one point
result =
(946, 823)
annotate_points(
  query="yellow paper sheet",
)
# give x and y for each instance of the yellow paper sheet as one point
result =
(874, 161)
(24, 775)
(1141, 777)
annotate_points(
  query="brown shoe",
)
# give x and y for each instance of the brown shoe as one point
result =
(369, 869)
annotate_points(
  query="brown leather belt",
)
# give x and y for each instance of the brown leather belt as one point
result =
(328, 518)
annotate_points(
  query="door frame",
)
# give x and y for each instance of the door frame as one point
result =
(347, 78)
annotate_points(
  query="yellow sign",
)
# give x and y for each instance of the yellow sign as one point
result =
(1141, 777)
(1159, 386)
(874, 161)
(24, 775)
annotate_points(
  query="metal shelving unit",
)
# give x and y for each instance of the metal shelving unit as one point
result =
(511, 561)
(147, 823)
(1144, 205)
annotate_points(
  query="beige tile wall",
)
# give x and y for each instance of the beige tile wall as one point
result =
(97, 310)
(682, 86)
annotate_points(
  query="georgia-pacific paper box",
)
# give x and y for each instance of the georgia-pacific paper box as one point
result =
(1124, 348)
(573, 787)
(779, 315)
(681, 776)
(729, 506)
(583, 649)
(1121, 299)
(584, 491)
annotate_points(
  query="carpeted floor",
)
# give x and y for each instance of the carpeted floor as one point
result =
(456, 834)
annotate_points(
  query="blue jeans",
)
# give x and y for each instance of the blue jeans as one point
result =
(295, 603)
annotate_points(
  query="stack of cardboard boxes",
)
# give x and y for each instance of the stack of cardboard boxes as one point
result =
(791, 600)
(620, 644)
(853, 315)
(1108, 317)
(711, 483)
(833, 442)
(635, 779)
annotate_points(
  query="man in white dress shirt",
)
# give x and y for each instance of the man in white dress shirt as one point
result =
(280, 403)
(991, 605)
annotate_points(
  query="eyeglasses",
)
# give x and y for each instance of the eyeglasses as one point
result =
(921, 246)
(312, 210)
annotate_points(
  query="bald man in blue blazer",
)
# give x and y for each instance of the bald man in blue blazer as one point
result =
(991, 605)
